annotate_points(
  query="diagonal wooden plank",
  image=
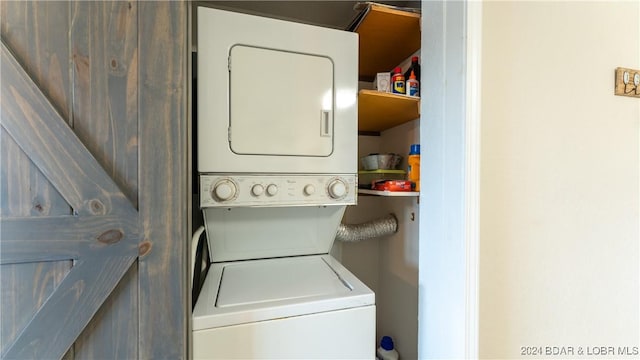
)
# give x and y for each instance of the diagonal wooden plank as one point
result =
(19, 303)
(64, 315)
(43, 135)
(43, 51)
(63, 237)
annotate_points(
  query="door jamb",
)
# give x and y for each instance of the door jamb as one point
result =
(449, 221)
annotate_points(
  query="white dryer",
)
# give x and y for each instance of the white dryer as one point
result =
(277, 163)
(275, 96)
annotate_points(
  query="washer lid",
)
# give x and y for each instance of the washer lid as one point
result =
(257, 290)
(245, 283)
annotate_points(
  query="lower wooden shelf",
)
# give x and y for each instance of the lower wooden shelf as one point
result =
(389, 193)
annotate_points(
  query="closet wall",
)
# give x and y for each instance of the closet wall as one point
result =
(389, 265)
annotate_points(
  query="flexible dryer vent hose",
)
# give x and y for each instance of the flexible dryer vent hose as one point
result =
(370, 229)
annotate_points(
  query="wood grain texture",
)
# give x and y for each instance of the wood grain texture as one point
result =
(113, 331)
(43, 51)
(27, 28)
(25, 191)
(67, 311)
(105, 83)
(379, 111)
(163, 128)
(65, 237)
(18, 304)
(105, 78)
(17, 112)
(145, 315)
(387, 37)
(43, 135)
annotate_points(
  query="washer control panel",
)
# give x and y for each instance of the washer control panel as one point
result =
(229, 190)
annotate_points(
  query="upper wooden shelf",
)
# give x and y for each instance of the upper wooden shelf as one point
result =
(387, 37)
(379, 111)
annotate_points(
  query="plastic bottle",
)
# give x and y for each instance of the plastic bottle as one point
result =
(415, 67)
(397, 82)
(413, 85)
(413, 172)
(386, 350)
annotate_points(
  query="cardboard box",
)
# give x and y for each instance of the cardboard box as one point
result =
(382, 82)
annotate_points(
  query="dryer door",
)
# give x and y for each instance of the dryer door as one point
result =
(280, 102)
(275, 96)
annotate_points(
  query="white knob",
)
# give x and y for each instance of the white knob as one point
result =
(224, 190)
(272, 189)
(257, 190)
(337, 189)
(309, 190)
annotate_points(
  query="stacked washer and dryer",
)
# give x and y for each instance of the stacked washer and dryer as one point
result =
(277, 164)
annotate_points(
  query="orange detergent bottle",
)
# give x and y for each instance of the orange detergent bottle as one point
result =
(413, 171)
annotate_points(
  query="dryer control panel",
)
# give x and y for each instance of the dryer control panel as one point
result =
(232, 190)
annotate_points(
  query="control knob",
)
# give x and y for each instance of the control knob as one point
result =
(337, 188)
(257, 190)
(309, 190)
(224, 190)
(272, 189)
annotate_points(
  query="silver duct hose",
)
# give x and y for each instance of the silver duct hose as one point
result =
(357, 232)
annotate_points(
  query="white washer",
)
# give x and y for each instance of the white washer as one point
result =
(274, 292)
(290, 308)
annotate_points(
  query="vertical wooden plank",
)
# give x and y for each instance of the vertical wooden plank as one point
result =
(19, 301)
(105, 79)
(113, 331)
(105, 110)
(163, 58)
(37, 34)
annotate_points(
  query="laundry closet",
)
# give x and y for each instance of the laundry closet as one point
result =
(387, 123)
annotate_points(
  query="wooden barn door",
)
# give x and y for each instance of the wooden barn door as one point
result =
(94, 180)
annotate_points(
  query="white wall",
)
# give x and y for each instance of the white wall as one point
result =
(559, 223)
(389, 265)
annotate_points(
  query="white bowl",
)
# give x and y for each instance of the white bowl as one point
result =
(380, 161)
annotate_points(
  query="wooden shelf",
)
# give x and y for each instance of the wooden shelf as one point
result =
(382, 171)
(379, 111)
(389, 193)
(387, 37)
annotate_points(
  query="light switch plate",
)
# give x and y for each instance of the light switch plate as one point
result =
(627, 82)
